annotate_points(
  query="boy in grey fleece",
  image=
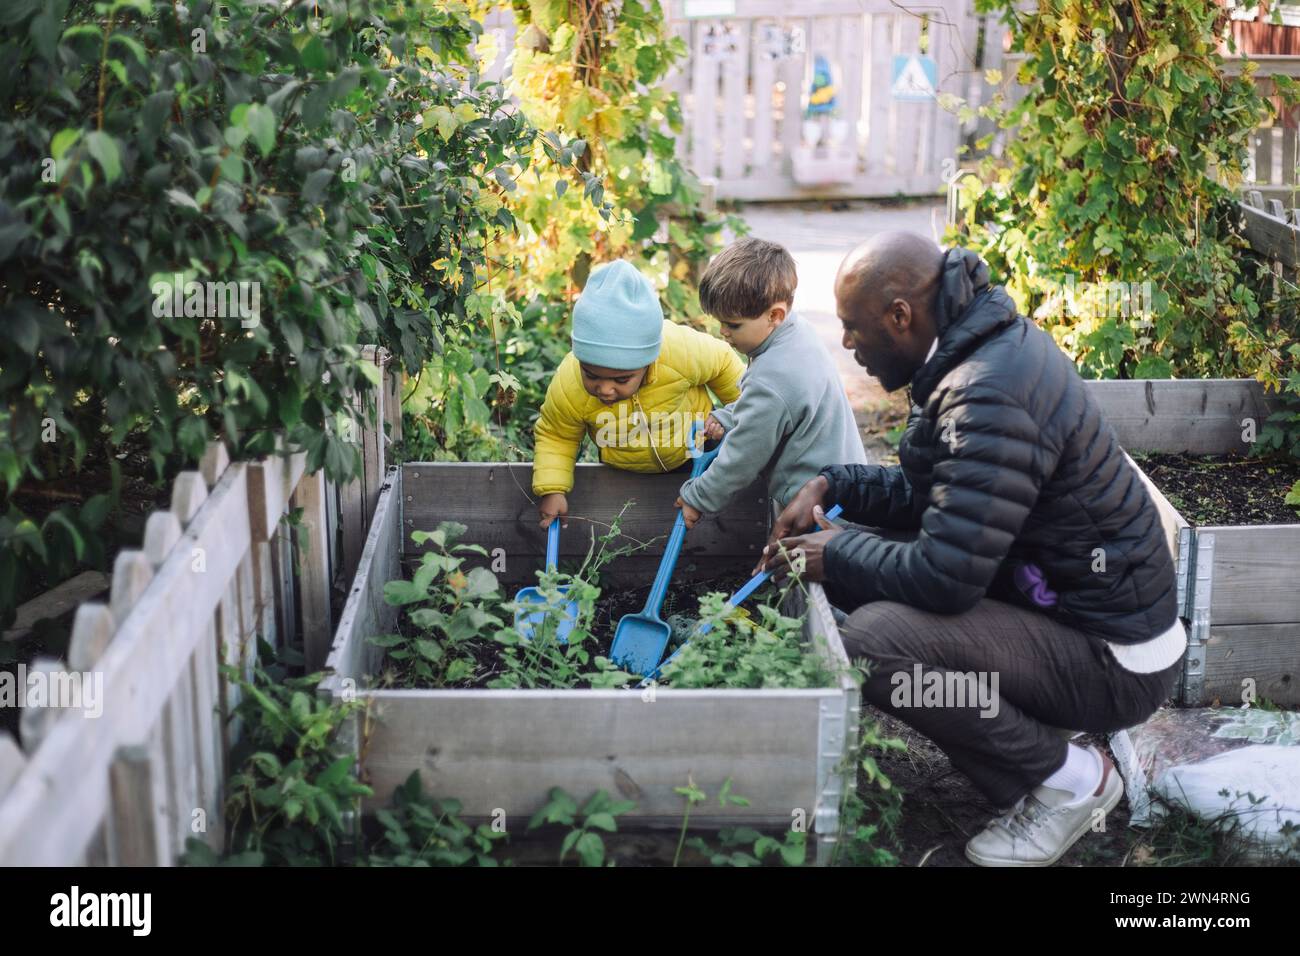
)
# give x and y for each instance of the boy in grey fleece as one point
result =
(792, 417)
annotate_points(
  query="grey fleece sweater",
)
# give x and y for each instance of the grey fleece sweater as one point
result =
(792, 419)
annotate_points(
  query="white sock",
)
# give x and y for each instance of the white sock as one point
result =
(1080, 775)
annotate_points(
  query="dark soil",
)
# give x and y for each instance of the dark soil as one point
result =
(1225, 489)
(679, 610)
(680, 607)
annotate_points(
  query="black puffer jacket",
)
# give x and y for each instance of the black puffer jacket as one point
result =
(1006, 461)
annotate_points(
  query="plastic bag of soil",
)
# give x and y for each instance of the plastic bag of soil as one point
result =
(1238, 768)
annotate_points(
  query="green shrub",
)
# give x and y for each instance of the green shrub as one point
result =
(1112, 174)
(338, 157)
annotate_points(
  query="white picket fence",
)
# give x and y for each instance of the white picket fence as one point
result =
(219, 569)
(747, 86)
(744, 91)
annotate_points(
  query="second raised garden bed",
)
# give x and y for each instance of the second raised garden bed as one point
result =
(500, 751)
(1238, 584)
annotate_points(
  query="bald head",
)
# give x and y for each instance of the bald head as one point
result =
(885, 294)
(892, 265)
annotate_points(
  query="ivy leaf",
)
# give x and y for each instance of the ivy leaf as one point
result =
(259, 120)
(63, 141)
(103, 148)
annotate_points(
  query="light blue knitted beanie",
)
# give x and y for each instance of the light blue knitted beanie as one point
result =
(617, 321)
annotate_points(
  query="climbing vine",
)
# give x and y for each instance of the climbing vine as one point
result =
(1118, 169)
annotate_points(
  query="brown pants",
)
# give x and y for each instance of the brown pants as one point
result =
(992, 686)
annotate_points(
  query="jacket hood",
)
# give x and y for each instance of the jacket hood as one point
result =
(969, 310)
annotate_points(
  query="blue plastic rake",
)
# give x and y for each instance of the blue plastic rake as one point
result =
(737, 599)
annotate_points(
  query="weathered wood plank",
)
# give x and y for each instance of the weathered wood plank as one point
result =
(366, 613)
(1269, 236)
(852, 40)
(333, 527)
(51, 812)
(879, 158)
(1262, 141)
(1196, 416)
(494, 749)
(763, 70)
(735, 81)
(494, 502)
(314, 568)
(352, 518)
(1256, 574)
(207, 731)
(914, 120)
(392, 404)
(791, 71)
(138, 835)
(372, 435)
(56, 602)
(270, 486)
(704, 92)
(1267, 654)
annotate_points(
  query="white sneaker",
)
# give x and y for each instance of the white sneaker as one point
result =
(1038, 830)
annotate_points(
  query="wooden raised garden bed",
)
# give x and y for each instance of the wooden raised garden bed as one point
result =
(1238, 585)
(502, 750)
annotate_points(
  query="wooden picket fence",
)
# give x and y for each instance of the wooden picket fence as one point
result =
(744, 82)
(749, 72)
(222, 567)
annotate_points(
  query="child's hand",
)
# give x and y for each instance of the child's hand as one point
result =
(690, 514)
(713, 430)
(552, 506)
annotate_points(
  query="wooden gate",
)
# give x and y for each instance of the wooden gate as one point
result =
(746, 87)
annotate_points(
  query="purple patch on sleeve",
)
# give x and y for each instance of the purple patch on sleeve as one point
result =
(1032, 583)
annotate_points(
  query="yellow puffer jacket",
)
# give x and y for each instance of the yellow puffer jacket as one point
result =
(672, 395)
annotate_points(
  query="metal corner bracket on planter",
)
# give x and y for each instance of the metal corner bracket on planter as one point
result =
(502, 750)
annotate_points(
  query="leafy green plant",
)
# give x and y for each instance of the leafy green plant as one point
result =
(603, 184)
(599, 813)
(419, 830)
(738, 650)
(290, 788)
(348, 167)
(1117, 171)
(740, 846)
(464, 631)
(595, 70)
(456, 614)
(870, 810)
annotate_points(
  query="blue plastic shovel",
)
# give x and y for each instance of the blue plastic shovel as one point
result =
(737, 599)
(526, 620)
(640, 639)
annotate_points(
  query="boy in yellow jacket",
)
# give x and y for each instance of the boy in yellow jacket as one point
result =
(633, 383)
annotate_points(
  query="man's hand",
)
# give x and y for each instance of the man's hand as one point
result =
(713, 431)
(552, 506)
(812, 547)
(690, 514)
(797, 516)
